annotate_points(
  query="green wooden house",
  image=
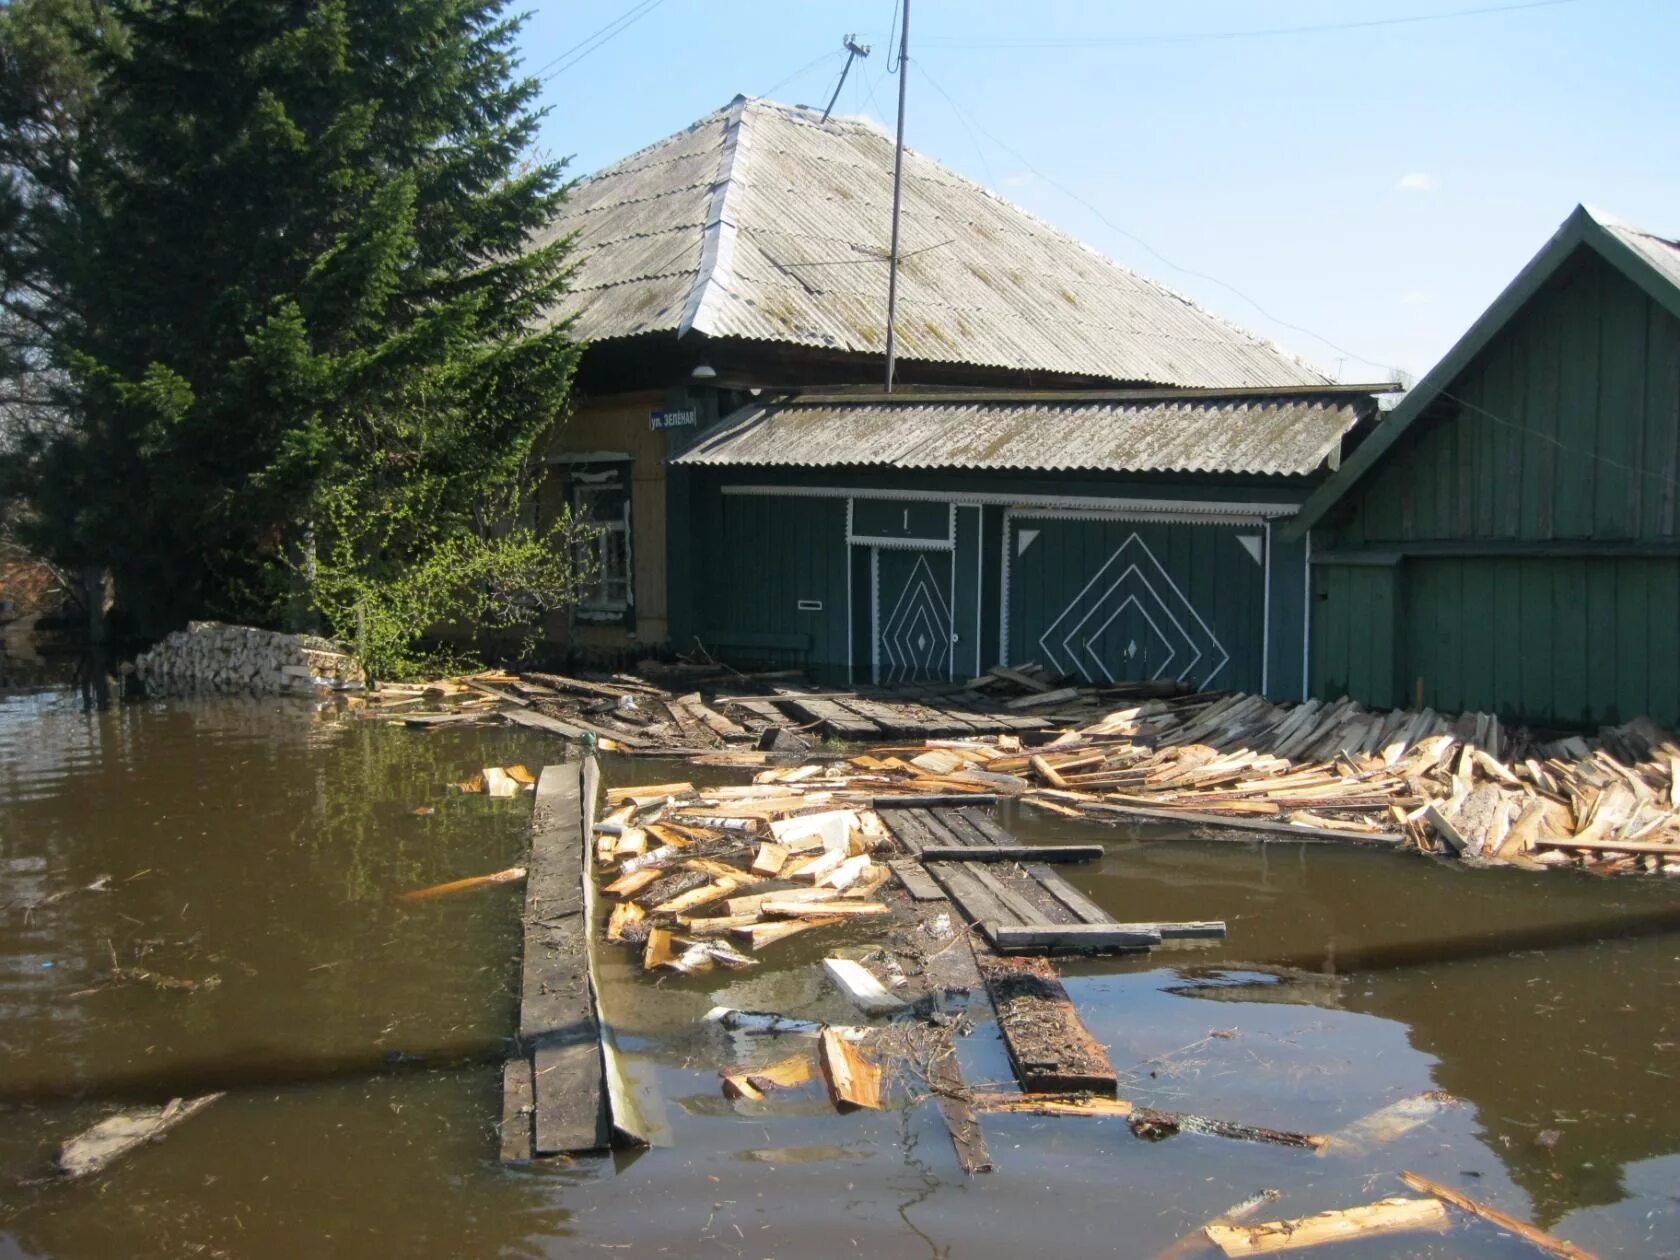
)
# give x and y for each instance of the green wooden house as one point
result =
(925, 535)
(1506, 539)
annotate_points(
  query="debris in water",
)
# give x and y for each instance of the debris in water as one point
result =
(1522, 1229)
(91, 1151)
(867, 993)
(1388, 1123)
(753, 1083)
(1386, 1216)
(511, 875)
(853, 1081)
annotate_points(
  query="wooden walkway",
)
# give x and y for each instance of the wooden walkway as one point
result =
(554, 1096)
(878, 714)
(1019, 906)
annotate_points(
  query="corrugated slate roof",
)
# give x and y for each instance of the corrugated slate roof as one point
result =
(761, 221)
(1287, 434)
(1661, 253)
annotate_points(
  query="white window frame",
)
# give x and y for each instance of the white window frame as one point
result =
(596, 604)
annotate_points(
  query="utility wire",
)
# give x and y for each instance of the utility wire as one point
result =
(1496, 418)
(1138, 240)
(1196, 37)
(809, 65)
(611, 31)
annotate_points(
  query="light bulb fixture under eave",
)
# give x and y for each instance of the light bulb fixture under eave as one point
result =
(703, 371)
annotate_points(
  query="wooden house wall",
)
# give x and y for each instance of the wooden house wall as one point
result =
(618, 422)
(1518, 550)
(761, 555)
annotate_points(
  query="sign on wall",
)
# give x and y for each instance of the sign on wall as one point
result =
(674, 418)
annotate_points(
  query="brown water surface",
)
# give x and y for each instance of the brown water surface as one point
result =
(257, 851)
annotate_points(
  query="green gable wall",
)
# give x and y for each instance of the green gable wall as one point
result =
(1517, 550)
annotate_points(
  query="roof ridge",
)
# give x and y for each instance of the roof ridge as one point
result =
(717, 236)
(1605, 218)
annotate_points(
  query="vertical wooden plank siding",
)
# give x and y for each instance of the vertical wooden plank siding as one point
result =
(1571, 638)
(1534, 508)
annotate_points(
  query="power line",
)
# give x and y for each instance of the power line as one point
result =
(611, 31)
(1195, 37)
(1442, 392)
(1138, 240)
(809, 65)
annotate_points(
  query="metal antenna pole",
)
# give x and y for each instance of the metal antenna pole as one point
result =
(898, 193)
(854, 50)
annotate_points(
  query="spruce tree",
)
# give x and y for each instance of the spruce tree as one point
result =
(315, 357)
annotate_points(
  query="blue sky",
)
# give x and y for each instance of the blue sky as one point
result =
(1376, 186)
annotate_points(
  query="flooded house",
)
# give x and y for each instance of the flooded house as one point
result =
(1077, 467)
(1506, 539)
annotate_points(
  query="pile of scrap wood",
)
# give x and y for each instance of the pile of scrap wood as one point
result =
(619, 713)
(1337, 771)
(753, 863)
(1324, 770)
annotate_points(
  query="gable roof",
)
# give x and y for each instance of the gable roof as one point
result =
(762, 222)
(1652, 262)
(1279, 432)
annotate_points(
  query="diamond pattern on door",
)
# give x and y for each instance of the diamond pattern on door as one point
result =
(1132, 591)
(913, 616)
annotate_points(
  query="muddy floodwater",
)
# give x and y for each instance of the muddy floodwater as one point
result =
(247, 855)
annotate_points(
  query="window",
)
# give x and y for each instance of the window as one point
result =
(601, 497)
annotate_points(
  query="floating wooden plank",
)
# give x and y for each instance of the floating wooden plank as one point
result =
(1054, 1105)
(1095, 938)
(714, 721)
(636, 1116)
(512, 875)
(1449, 834)
(1266, 825)
(754, 1083)
(769, 933)
(1043, 699)
(93, 1149)
(853, 1081)
(574, 729)
(867, 993)
(557, 1017)
(1049, 1046)
(753, 903)
(944, 1075)
(1386, 1216)
(1147, 1122)
(1193, 930)
(1533, 1236)
(516, 1128)
(844, 909)
(929, 800)
(1390, 1122)
(1014, 853)
(1196, 1241)
(625, 915)
(1609, 846)
(1020, 679)
(648, 791)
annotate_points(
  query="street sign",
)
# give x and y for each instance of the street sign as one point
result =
(674, 419)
